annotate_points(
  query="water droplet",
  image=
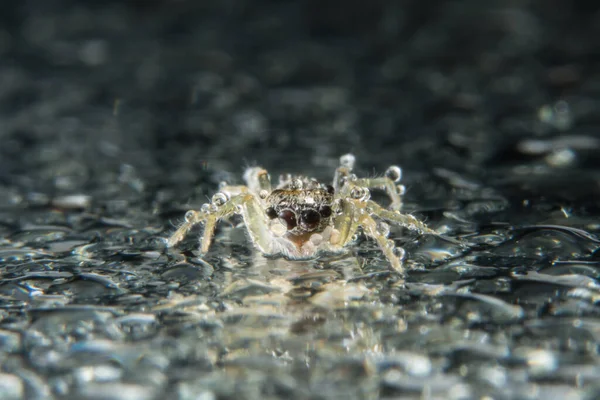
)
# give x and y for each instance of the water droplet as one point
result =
(347, 160)
(360, 193)
(401, 189)
(222, 184)
(189, 216)
(205, 208)
(263, 194)
(394, 173)
(383, 228)
(212, 208)
(337, 206)
(357, 193)
(399, 252)
(219, 199)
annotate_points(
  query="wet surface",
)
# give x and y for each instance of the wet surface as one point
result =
(115, 119)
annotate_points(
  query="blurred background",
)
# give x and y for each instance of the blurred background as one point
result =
(175, 87)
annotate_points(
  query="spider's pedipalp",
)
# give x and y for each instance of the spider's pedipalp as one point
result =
(346, 223)
(343, 171)
(257, 179)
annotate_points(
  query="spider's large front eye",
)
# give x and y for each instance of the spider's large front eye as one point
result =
(309, 219)
(288, 217)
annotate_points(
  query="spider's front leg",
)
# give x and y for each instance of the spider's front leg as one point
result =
(407, 221)
(354, 215)
(245, 204)
(387, 183)
(395, 217)
(257, 179)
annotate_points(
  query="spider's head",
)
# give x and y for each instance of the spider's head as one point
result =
(301, 211)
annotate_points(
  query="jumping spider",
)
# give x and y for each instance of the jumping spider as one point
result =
(302, 218)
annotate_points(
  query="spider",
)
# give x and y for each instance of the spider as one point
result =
(302, 218)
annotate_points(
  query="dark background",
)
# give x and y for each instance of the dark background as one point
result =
(116, 117)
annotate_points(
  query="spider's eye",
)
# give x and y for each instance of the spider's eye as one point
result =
(325, 211)
(271, 213)
(289, 218)
(309, 219)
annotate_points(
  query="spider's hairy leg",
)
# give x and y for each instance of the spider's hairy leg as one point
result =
(254, 218)
(191, 218)
(257, 179)
(353, 216)
(386, 245)
(405, 220)
(245, 204)
(233, 190)
(195, 217)
(387, 184)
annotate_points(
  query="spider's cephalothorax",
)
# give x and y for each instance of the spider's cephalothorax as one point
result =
(301, 210)
(302, 218)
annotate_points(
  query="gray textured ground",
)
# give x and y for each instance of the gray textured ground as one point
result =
(117, 117)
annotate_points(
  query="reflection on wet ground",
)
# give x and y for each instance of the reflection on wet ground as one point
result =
(99, 308)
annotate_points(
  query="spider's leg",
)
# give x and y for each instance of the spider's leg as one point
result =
(387, 245)
(191, 218)
(245, 204)
(195, 217)
(404, 220)
(248, 205)
(257, 179)
(387, 184)
(233, 190)
(352, 217)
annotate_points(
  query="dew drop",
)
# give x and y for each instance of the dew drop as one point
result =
(401, 190)
(356, 193)
(394, 173)
(205, 208)
(347, 160)
(219, 199)
(263, 194)
(360, 193)
(189, 216)
(383, 228)
(212, 208)
(399, 252)
(337, 206)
